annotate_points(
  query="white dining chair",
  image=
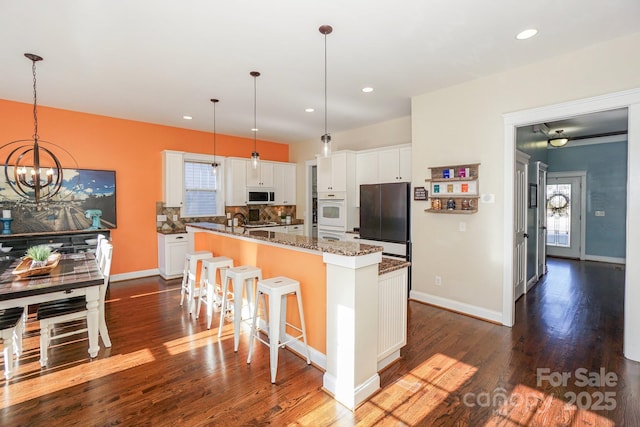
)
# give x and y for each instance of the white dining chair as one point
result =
(101, 239)
(11, 325)
(54, 313)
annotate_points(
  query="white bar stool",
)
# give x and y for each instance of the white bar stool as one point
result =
(210, 290)
(238, 275)
(277, 289)
(189, 276)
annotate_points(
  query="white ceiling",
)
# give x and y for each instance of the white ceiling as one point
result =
(157, 60)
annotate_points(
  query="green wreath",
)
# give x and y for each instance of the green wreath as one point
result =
(558, 204)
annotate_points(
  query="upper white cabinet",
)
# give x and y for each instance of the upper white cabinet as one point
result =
(262, 176)
(366, 170)
(172, 178)
(334, 173)
(394, 164)
(236, 182)
(284, 180)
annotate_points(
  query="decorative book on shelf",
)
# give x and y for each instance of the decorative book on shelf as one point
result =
(454, 189)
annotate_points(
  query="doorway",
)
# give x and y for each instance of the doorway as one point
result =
(564, 213)
(626, 99)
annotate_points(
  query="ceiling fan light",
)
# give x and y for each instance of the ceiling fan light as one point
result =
(558, 142)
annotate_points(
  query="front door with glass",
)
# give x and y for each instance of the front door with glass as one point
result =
(564, 237)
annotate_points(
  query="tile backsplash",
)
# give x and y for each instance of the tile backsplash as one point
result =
(265, 213)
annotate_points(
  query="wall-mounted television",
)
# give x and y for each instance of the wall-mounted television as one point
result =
(85, 194)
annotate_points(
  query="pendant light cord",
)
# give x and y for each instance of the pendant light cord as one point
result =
(255, 126)
(214, 164)
(325, 84)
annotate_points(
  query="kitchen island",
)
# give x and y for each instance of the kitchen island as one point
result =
(339, 294)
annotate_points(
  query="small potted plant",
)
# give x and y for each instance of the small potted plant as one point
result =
(39, 255)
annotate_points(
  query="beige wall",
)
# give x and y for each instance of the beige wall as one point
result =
(464, 124)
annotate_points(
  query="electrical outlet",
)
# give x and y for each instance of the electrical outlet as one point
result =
(175, 217)
(599, 213)
(161, 218)
(438, 281)
(462, 226)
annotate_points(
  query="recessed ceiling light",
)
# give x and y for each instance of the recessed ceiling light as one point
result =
(367, 89)
(254, 130)
(309, 110)
(187, 117)
(527, 34)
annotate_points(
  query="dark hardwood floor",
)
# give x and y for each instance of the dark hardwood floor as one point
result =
(167, 369)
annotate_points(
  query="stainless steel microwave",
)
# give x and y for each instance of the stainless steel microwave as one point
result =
(260, 197)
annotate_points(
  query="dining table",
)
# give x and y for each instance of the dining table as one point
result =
(76, 274)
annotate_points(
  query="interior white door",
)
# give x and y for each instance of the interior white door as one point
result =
(541, 241)
(520, 226)
(564, 205)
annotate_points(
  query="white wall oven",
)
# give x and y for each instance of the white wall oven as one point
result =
(332, 213)
(331, 235)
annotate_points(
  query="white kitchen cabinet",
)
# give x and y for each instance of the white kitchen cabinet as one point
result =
(262, 176)
(236, 182)
(366, 171)
(284, 180)
(297, 229)
(172, 249)
(337, 172)
(172, 178)
(392, 315)
(394, 164)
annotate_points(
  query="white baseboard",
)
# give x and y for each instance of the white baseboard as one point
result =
(134, 275)
(610, 259)
(461, 307)
(317, 358)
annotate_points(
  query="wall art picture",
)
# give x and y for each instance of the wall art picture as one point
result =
(86, 201)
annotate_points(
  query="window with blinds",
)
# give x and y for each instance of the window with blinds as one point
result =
(200, 186)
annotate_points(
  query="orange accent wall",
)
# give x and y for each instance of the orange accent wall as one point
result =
(133, 149)
(308, 269)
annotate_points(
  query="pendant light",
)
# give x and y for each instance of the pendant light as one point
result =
(326, 138)
(255, 156)
(31, 169)
(215, 165)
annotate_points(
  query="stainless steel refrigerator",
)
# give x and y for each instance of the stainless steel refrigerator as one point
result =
(384, 212)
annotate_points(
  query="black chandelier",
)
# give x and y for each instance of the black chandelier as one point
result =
(31, 169)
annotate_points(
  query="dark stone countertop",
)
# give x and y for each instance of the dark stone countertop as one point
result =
(296, 241)
(387, 265)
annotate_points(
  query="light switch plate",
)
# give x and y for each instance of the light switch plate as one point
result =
(161, 218)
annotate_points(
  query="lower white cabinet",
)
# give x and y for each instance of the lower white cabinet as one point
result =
(172, 249)
(392, 315)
